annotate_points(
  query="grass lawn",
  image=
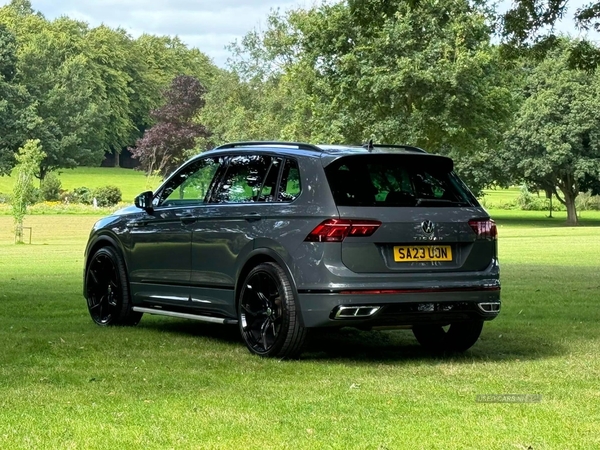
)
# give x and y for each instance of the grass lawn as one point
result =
(168, 383)
(498, 197)
(131, 182)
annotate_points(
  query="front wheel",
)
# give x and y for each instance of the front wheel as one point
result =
(267, 314)
(459, 337)
(107, 290)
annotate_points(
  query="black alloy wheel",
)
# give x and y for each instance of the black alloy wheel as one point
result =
(107, 290)
(267, 313)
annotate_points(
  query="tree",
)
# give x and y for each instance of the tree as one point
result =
(153, 63)
(16, 112)
(89, 90)
(399, 72)
(529, 25)
(554, 143)
(28, 158)
(163, 146)
(61, 81)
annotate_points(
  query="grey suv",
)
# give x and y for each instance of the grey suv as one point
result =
(280, 238)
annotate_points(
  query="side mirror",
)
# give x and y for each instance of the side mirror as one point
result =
(144, 201)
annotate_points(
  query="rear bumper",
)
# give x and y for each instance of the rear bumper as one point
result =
(400, 308)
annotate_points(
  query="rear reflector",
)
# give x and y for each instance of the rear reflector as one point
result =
(421, 291)
(336, 230)
(484, 229)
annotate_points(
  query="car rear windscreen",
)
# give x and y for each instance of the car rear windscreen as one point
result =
(396, 180)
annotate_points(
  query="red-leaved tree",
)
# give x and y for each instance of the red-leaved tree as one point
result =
(163, 146)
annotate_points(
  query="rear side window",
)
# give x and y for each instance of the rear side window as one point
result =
(245, 180)
(289, 186)
(396, 180)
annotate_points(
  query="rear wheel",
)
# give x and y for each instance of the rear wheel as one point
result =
(108, 291)
(459, 336)
(268, 319)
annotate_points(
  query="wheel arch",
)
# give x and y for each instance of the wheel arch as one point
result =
(99, 242)
(256, 257)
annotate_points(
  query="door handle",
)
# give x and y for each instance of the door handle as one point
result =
(136, 223)
(252, 217)
(186, 218)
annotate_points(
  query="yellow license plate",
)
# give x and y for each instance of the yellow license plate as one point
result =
(411, 253)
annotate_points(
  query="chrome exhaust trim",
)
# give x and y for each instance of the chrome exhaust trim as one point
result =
(489, 307)
(355, 312)
(179, 315)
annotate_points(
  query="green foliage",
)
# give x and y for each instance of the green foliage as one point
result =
(107, 196)
(422, 73)
(528, 29)
(554, 144)
(28, 161)
(588, 202)
(50, 187)
(16, 110)
(529, 202)
(81, 91)
(80, 195)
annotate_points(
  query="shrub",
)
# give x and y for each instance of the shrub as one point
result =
(50, 189)
(585, 201)
(530, 202)
(80, 195)
(33, 196)
(5, 198)
(107, 196)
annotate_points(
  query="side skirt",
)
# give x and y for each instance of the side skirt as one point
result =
(197, 317)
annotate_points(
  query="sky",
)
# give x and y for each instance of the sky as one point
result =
(208, 25)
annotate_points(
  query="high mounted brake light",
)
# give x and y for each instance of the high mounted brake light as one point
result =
(484, 229)
(336, 230)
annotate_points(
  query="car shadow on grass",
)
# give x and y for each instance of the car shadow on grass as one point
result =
(379, 346)
(227, 334)
(400, 345)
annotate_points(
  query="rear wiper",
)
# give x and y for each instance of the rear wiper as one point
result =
(441, 201)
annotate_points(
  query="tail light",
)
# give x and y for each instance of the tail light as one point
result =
(484, 229)
(336, 230)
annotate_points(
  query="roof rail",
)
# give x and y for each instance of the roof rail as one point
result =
(299, 145)
(370, 146)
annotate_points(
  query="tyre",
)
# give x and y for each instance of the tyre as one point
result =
(268, 318)
(459, 337)
(107, 290)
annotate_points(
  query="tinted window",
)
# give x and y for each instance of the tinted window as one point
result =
(289, 187)
(396, 180)
(245, 180)
(268, 188)
(191, 185)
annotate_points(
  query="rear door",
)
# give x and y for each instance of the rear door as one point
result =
(249, 207)
(227, 225)
(430, 222)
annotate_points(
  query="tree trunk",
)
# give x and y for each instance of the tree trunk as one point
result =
(117, 159)
(571, 209)
(19, 232)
